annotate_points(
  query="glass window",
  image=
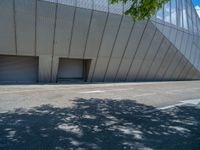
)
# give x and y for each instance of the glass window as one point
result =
(188, 6)
(194, 21)
(173, 12)
(180, 13)
(167, 12)
(159, 14)
(185, 23)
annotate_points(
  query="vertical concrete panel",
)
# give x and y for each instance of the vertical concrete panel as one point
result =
(110, 35)
(158, 60)
(91, 70)
(191, 74)
(45, 27)
(166, 31)
(148, 60)
(123, 37)
(199, 61)
(196, 57)
(136, 36)
(173, 66)
(192, 54)
(188, 47)
(55, 63)
(173, 34)
(165, 63)
(7, 32)
(45, 69)
(121, 74)
(141, 51)
(64, 23)
(195, 75)
(159, 26)
(130, 51)
(106, 48)
(178, 39)
(184, 43)
(179, 68)
(188, 73)
(25, 26)
(79, 35)
(96, 30)
(100, 69)
(112, 69)
(119, 48)
(186, 69)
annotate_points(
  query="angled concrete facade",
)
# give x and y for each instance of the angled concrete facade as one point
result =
(93, 41)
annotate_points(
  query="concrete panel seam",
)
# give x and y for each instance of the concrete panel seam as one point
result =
(35, 42)
(136, 50)
(91, 16)
(179, 75)
(54, 34)
(129, 37)
(154, 58)
(95, 63)
(15, 28)
(71, 34)
(180, 59)
(183, 57)
(112, 48)
(141, 64)
(164, 58)
(169, 47)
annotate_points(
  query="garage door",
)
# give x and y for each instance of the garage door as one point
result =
(17, 69)
(70, 70)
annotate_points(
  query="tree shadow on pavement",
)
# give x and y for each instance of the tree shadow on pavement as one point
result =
(100, 124)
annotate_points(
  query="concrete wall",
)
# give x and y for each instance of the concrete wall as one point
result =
(119, 49)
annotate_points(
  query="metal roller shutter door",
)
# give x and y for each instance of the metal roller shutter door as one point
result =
(71, 69)
(17, 69)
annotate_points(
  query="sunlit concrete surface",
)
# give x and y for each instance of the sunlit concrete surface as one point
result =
(150, 116)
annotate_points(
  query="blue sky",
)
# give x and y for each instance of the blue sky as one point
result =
(197, 5)
(196, 2)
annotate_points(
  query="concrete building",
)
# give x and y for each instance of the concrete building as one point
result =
(91, 40)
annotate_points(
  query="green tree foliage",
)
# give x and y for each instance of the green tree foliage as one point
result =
(142, 9)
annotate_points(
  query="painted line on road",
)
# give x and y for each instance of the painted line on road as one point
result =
(181, 103)
(89, 92)
(103, 91)
(146, 94)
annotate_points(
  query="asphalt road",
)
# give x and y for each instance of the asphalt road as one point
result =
(158, 115)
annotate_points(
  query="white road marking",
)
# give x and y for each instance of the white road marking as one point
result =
(146, 94)
(100, 91)
(88, 92)
(181, 103)
(192, 101)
